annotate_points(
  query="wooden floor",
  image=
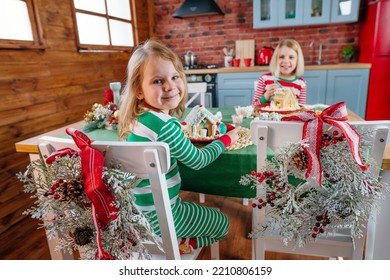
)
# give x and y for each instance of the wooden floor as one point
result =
(26, 242)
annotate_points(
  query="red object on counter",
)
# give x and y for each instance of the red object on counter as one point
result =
(375, 49)
(264, 56)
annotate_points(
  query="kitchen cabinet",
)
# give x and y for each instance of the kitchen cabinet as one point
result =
(323, 87)
(281, 13)
(345, 11)
(236, 89)
(265, 13)
(350, 86)
(316, 86)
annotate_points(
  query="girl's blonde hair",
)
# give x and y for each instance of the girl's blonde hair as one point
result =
(131, 107)
(292, 44)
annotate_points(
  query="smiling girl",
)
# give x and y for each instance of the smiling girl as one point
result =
(287, 67)
(155, 92)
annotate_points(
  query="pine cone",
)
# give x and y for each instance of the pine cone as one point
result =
(72, 190)
(301, 160)
(280, 186)
(83, 236)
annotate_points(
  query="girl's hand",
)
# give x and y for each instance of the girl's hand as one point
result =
(270, 91)
(233, 134)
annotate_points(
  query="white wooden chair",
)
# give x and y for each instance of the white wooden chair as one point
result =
(197, 89)
(146, 159)
(273, 134)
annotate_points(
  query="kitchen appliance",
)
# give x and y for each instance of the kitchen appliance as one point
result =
(192, 8)
(264, 55)
(374, 44)
(211, 94)
(190, 59)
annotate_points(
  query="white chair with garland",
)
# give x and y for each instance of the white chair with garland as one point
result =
(277, 197)
(146, 159)
(197, 90)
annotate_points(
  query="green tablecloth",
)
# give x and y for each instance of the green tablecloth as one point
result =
(223, 175)
(220, 177)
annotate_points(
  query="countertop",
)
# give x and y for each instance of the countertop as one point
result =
(243, 69)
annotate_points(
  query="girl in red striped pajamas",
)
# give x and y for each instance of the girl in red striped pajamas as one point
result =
(287, 67)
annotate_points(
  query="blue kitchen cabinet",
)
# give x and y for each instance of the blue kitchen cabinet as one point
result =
(265, 13)
(345, 11)
(350, 86)
(282, 13)
(316, 86)
(316, 12)
(236, 89)
(290, 12)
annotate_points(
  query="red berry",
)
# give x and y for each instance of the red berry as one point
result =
(325, 143)
(270, 173)
(335, 132)
(313, 235)
(334, 141)
(260, 200)
(315, 229)
(253, 173)
(322, 230)
(254, 205)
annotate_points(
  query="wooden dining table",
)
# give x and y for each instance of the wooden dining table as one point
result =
(219, 178)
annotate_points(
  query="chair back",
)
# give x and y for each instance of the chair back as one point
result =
(146, 159)
(276, 134)
(197, 89)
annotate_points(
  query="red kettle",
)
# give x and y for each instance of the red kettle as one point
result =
(264, 55)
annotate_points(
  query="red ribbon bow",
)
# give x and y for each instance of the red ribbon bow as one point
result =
(109, 97)
(335, 115)
(92, 162)
(61, 153)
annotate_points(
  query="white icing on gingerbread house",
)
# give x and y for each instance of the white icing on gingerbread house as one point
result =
(285, 98)
(201, 123)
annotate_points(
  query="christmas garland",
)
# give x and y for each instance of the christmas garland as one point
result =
(101, 116)
(298, 209)
(63, 206)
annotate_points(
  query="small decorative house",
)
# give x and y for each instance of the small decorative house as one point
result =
(201, 123)
(284, 98)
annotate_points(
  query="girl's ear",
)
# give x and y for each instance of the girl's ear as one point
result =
(140, 95)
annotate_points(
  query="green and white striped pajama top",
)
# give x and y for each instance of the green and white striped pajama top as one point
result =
(191, 220)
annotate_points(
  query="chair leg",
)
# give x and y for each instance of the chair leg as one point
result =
(202, 198)
(214, 249)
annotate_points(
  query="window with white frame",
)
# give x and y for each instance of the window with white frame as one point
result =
(20, 27)
(104, 24)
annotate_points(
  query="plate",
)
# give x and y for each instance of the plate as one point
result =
(203, 141)
(267, 109)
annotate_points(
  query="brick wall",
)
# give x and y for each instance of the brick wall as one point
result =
(207, 35)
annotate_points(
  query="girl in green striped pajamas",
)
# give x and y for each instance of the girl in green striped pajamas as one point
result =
(155, 92)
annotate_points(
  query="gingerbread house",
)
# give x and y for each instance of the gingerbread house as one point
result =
(284, 98)
(201, 123)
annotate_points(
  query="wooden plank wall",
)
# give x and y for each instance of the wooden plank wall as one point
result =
(41, 90)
